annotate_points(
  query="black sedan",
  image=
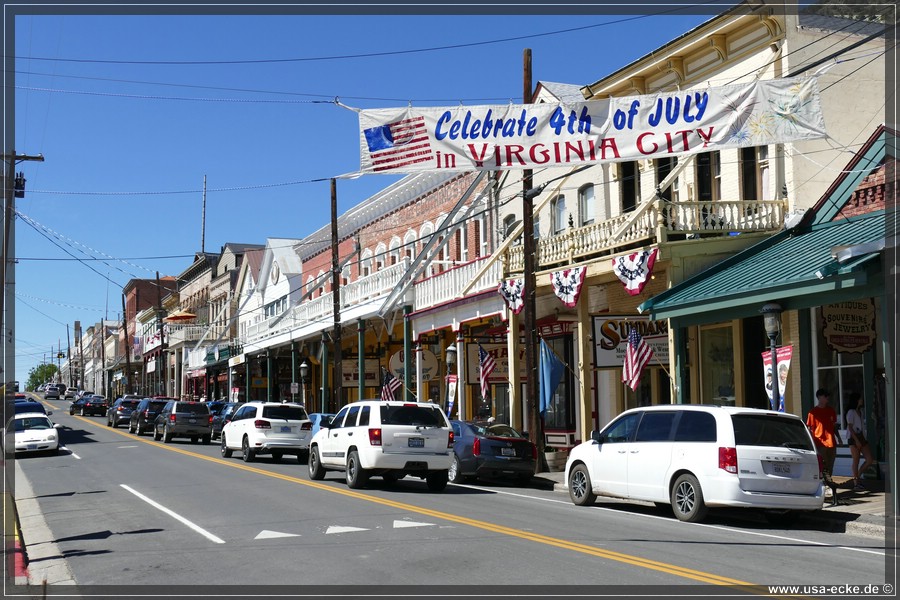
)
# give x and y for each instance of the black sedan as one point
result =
(482, 449)
(221, 411)
(90, 405)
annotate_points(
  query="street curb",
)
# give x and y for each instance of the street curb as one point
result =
(824, 522)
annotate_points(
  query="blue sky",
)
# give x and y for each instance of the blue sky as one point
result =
(127, 145)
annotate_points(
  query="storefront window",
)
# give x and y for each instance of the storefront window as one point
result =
(561, 413)
(717, 365)
(841, 373)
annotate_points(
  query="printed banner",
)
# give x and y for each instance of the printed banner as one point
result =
(567, 284)
(513, 292)
(783, 356)
(530, 136)
(451, 393)
(611, 339)
(634, 269)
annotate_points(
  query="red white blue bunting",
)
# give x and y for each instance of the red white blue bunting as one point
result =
(567, 284)
(513, 292)
(634, 269)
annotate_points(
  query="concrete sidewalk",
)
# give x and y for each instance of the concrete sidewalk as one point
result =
(860, 513)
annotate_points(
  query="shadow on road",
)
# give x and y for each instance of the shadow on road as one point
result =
(102, 535)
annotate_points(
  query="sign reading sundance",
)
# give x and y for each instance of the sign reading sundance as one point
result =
(484, 138)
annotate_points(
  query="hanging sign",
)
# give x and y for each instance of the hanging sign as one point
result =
(451, 392)
(530, 136)
(429, 365)
(783, 356)
(849, 326)
(611, 339)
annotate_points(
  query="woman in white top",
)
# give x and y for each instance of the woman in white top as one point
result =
(856, 425)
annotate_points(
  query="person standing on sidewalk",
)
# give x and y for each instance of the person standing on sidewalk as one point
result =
(859, 445)
(823, 423)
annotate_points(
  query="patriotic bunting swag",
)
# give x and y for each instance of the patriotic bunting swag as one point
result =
(634, 270)
(513, 292)
(567, 285)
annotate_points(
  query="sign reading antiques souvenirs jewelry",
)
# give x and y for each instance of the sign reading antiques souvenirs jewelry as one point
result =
(429, 365)
(849, 326)
(528, 136)
(611, 339)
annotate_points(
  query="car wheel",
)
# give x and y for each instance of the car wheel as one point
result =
(316, 471)
(249, 455)
(455, 473)
(156, 435)
(206, 440)
(781, 518)
(82, 412)
(356, 475)
(226, 451)
(580, 490)
(130, 427)
(167, 437)
(108, 423)
(687, 499)
(139, 429)
(436, 480)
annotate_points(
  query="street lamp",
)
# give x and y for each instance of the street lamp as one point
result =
(450, 357)
(304, 372)
(772, 320)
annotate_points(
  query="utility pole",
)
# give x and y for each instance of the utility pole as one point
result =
(336, 296)
(69, 355)
(103, 357)
(161, 368)
(80, 341)
(202, 221)
(128, 382)
(529, 318)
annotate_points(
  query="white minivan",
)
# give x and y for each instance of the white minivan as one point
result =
(694, 457)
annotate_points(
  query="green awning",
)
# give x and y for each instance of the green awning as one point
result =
(796, 268)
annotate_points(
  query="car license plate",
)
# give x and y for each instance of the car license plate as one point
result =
(416, 442)
(507, 451)
(192, 421)
(32, 446)
(285, 429)
(780, 469)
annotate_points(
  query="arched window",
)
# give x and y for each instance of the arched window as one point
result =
(409, 244)
(380, 256)
(320, 278)
(365, 263)
(309, 283)
(558, 214)
(394, 252)
(586, 204)
(425, 234)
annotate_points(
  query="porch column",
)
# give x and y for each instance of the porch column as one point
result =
(585, 373)
(407, 354)
(247, 378)
(512, 344)
(269, 369)
(361, 358)
(461, 373)
(420, 385)
(293, 370)
(326, 404)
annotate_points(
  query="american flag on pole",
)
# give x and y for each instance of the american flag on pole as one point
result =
(398, 144)
(391, 385)
(637, 356)
(486, 364)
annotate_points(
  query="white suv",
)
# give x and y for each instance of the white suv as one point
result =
(694, 457)
(267, 428)
(390, 439)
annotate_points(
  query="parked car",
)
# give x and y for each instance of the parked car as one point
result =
(259, 428)
(76, 405)
(91, 405)
(83, 393)
(390, 439)
(183, 419)
(221, 411)
(30, 406)
(141, 419)
(120, 411)
(694, 457)
(317, 419)
(34, 432)
(71, 393)
(54, 391)
(490, 449)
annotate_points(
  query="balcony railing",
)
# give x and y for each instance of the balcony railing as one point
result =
(446, 286)
(370, 287)
(657, 223)
(180, 334)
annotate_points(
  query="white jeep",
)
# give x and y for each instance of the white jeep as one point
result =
(389, 439)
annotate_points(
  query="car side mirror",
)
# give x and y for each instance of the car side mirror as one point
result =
(57, 426)
(597, 437)
(325, 424)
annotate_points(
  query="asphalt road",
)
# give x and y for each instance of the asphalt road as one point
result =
(126, 510)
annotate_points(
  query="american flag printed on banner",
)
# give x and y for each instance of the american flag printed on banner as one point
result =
(637, 356)
(399, 144)
(390, 386)
(486, 364)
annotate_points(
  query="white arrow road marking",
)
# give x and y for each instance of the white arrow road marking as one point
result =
(402, 524)
(174, 515)
(265, 534)
(341, 529)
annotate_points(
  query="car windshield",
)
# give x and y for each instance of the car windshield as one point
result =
(499, 430)
(27, 423)
(412, 415)
(292, 413)
(130, 403)
(765, 430)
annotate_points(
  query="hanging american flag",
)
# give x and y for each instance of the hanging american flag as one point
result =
(637, 356)
(486, 364)
(398, 144)
(390, 386)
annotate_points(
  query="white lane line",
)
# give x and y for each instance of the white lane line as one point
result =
(72, 453)
(174, 515)
(682, 523)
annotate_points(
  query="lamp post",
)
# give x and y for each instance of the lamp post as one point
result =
(304, 371)
(772, 320)
(450, 357)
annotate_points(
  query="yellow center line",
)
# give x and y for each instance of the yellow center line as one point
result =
(630, 559)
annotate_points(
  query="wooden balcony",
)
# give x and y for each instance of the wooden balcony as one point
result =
(657, 223)
(444, 287)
